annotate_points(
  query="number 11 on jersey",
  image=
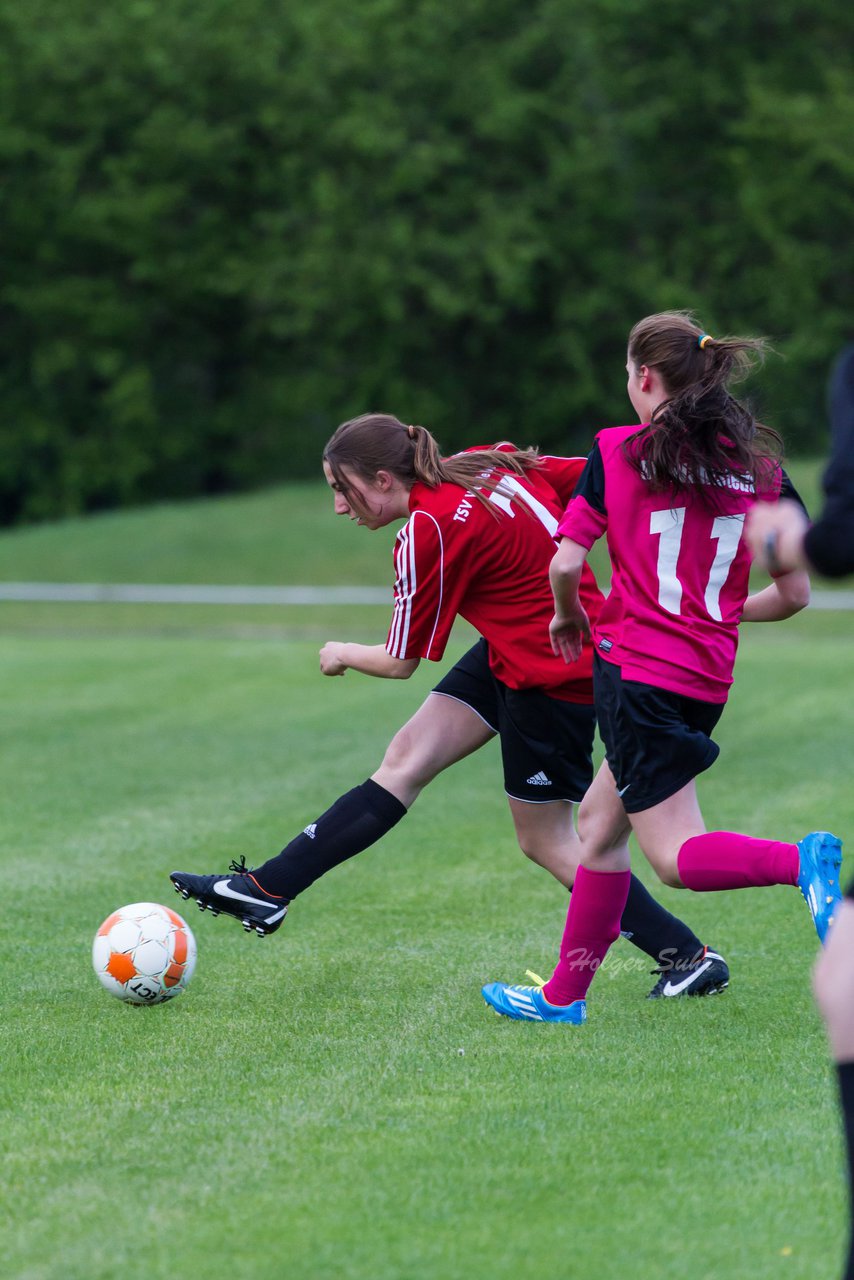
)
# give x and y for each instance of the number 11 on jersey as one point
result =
(669, 525)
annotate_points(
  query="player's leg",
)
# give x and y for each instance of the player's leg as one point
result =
(457, 718)
(663, 742)
(441, 732)
(662, 830)
(546, 835)
(596, 907)
(595, 919)
(604, 827)
(444, 730)
(604, 885)
(684, 965)
(834, 990)
(599, 896)
(673, 837)
(547, 761)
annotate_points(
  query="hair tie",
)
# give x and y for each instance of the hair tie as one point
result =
(703, 339)
(410, 431)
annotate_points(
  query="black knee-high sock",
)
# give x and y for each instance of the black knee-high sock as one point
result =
(845, 1076)
(354, 821)
(661, 935)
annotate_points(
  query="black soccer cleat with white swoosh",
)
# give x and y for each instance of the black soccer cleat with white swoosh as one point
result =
(238, 894)
(704, 974)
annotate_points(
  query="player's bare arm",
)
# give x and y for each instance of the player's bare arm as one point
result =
(786, 596)
(336, 657)
(570, 626)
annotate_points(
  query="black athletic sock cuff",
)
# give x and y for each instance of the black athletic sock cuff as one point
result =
(383, 803)
(652, 929)
(845, 1076)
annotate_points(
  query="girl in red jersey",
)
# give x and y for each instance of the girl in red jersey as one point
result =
(477, 542)
(672, 496)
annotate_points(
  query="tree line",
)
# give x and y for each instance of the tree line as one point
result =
(224, 228)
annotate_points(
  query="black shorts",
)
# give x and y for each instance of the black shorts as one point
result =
(655, 741)
(546, 744)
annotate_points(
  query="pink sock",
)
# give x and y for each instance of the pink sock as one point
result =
(592, 924)
(724, 860)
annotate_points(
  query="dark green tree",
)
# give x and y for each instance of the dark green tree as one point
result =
(227, 227)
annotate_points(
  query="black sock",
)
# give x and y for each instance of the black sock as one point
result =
(356, 820)
(661, 935)
(845, 1076)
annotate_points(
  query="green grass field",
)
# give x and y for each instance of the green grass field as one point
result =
(337, 1101)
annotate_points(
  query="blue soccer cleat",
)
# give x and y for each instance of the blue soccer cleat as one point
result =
(818, 878)
(528, 1004)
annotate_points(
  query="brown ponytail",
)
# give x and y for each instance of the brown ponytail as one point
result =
(700, 436)
(380, 442)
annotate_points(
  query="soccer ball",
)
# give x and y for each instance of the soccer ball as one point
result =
(144, 953)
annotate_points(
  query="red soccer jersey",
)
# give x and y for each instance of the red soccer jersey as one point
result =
(679, 572)
(454, 557)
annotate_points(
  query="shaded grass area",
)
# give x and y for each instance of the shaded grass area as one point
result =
(282, 535)
(336, 1101)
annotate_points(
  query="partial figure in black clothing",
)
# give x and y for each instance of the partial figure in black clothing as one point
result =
(780, 536)
(782, 539)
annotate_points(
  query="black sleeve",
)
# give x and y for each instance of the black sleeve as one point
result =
(591, 482)
(788, 490)
(829, 544)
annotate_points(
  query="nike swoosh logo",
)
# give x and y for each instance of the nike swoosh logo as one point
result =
(622, 792)
(674, 988)
(221, 887)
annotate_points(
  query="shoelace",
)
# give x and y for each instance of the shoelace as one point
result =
(535, 978)
(239, 868)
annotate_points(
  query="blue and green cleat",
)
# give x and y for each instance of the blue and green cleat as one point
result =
(818, 877)
(528, 1004)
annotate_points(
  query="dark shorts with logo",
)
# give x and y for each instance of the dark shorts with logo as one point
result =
(655, 741)
(546, 744)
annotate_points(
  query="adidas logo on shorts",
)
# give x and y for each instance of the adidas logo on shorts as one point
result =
(539, 780)
(310, 830)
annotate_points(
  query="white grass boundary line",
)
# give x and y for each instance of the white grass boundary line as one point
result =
(147, 593)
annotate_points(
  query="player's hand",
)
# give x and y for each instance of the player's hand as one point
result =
(775, 534)
(568, 634)
(331, 661)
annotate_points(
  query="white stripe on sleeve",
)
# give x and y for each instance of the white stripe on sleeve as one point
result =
(406, 586)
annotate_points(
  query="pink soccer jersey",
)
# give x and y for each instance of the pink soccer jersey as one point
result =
(679, 572)
(454, 557)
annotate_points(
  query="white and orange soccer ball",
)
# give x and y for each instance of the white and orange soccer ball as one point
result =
(144, 953)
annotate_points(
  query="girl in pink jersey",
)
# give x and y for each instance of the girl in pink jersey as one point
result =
(672, 497)
(478, 540)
